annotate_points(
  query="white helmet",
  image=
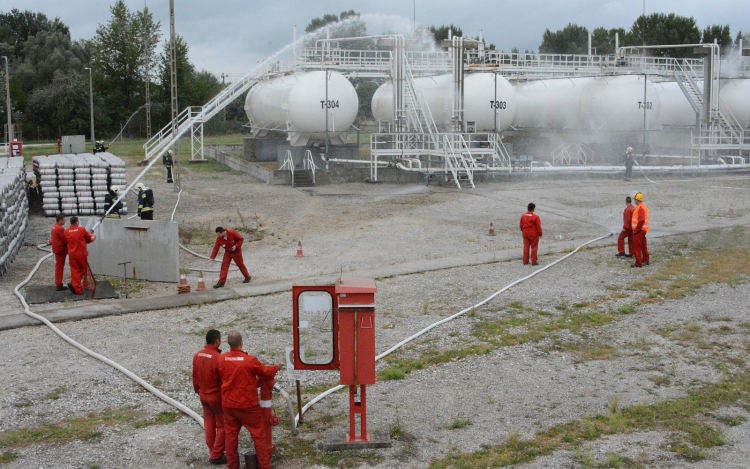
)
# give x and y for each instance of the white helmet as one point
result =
(169, 152)
(139, 186)
(115, 189)
(630, 149)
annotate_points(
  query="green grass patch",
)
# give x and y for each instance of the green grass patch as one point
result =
(688, 419)
(7, 457)
(398, 368)
(82, 428)
(55, 394)
(458, 422)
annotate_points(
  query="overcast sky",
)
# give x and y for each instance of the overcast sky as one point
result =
(229, 36)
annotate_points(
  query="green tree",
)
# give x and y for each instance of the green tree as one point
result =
(604, 40)
(572, 39)
(317, 23)
(62, 105)
(47, 52)
(720, 33)
(118, 57)
(18, 26)
(662, 29)
(441, 32)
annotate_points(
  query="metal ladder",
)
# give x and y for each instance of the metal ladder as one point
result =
(193, 117)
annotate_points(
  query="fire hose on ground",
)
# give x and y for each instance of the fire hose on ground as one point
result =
(321, 396)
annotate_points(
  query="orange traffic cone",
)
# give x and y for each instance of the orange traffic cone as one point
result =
(183, 287)
(299, 250)
(201, 284)
(492, 230)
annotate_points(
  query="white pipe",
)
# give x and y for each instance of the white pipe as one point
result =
(289, 406)
(574, 169)
(450, 318)
(181, 407)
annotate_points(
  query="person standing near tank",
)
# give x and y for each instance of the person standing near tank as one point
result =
(145, 202)
(627, 230)
(60, 249)
(628, 160)
(640, 228)
(531, 228)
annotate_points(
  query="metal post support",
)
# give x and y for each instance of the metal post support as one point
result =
(173, 88)
(7, 91)
(361, 409)
(91, 103)
(196, 142)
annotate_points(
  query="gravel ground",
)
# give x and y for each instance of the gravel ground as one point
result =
(523, 388)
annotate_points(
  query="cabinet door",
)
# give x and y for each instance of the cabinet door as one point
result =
(315, 326)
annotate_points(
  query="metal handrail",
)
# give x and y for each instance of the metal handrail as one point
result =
(308, 162)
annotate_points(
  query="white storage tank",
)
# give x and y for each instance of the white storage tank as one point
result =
(297, 104)
(617, 103)
(735, 98)
(550, 103)
(674, 108)
(437, 91)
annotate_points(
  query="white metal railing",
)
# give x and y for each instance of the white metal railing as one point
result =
(572, 153)
(308, 163)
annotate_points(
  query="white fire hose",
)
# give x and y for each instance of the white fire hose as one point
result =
(450, 318)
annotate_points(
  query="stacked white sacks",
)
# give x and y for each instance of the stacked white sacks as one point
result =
(14, 209)
(77, 184)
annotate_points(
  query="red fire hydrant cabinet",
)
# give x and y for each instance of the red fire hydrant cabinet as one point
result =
(335, 326)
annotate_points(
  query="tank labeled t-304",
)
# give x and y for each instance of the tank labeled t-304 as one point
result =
(299, 104)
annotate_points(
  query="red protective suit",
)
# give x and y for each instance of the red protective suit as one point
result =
(207, 385)
(531, 228)
(239, 400)
(640, 226)
(76, 239)
(232, 240)
(627, 231)
(60, 249)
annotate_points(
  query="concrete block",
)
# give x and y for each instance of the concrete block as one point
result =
(151, 247)
(336, 441)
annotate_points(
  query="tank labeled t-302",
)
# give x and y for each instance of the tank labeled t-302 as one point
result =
(299, 104)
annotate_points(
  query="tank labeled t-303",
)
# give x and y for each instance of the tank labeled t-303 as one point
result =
(298, 104)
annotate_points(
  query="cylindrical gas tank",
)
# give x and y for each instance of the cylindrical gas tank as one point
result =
(617, 103)
(435, 91)
(549, 103)
(735, 98)
(297, 104)
(482, 102)
(674, 108)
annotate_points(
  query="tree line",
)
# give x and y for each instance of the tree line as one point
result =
(49, 79)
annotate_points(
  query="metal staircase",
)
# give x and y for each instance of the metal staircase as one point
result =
(192, 118)
(722, 131)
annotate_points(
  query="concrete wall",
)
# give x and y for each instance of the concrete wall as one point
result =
(153, 252)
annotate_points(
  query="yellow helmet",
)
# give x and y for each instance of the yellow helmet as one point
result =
(639, 196)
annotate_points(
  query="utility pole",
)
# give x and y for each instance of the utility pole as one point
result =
(147, 50)
(175, 113)
(91, 103)
(7, 91)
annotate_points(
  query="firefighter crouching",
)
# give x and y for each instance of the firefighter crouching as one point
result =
(145, 202)
(112, 194)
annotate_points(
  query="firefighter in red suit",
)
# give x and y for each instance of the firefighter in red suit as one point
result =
(531, 228)
(207, 385)
(60, 249)
(77, 238)
(239, 400)
(640, 228)
(231, 241)
(627, 230)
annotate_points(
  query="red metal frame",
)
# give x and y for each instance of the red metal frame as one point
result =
(296, 291)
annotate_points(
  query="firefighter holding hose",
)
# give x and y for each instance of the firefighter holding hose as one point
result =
(239, 400)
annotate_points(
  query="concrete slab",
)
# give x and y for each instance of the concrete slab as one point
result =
(37, 294)
(336, 441)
